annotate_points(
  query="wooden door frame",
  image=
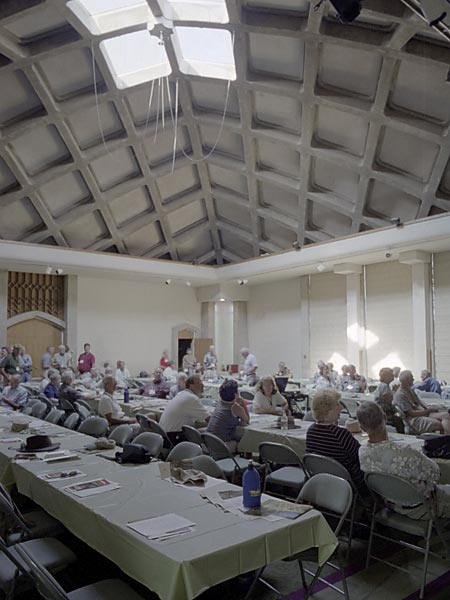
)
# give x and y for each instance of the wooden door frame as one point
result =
(36, 314)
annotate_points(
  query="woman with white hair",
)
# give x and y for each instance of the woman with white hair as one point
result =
(179, 385)
(325, 437)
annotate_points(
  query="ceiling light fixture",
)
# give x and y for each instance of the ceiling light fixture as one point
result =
(242, 281)
(48, 271)
(168, 281)
(188, 283)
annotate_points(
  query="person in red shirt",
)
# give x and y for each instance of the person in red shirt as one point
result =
(86, 360)
(164, 360)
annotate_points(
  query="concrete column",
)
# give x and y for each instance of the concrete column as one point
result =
(3, 306)
(305, 334)
(224, 332)
(419, 261)
(71, 313)
(355, 322)
(240, 330)
(207, 320)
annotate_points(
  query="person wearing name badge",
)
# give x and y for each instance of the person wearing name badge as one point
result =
(86, 360)
(10, 364)
(158, 387)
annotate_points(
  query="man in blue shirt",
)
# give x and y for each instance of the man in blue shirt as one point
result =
(52, 388)
(428, 383)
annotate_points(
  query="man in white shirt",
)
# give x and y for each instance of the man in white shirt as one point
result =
(14, 395)
(122, 374)
(170, 372)
(249, 367)
(185, 409)
(380, 455)
(61, 360)
(110, 408)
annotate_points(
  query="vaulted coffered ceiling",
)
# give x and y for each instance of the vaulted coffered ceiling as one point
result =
(330, 129)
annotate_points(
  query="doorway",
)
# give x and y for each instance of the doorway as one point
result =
(185, 337)
(36, 335)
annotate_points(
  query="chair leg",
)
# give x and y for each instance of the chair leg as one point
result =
(344, 579)
(254, 582)
(352, 524)
(302, 573)
(311, 587)
(425, 560)
(372, 526)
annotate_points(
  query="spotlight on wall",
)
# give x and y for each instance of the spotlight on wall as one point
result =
(59, 271)
(396, 221)
(221, 299)
(188, 283)
(242, 281)
(296, 245)
(48, 271)
(388, 253)
(168, 281)
(320, 267)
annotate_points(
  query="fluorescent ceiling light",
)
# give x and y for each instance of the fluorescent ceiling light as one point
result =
(135, 58)
(103, 16)
(210, 11)
(204, 52)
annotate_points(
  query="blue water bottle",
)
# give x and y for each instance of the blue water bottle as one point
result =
(251, 487)
(126, 395)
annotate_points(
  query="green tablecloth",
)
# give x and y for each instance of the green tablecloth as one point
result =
(222, 546)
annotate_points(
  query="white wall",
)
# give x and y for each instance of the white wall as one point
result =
(274, 325)
(442, 315)
(389, 323)
(132, 321)
(223, 332)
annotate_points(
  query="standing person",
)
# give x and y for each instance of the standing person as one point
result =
(10, 364)
(249, 367)
(229, 414)
(188, 363)
(210, 359)
(122, 375)
(164, 360)
(25, 365)
(46, 360)
(395, 384)
(86, 360)
(60, 360)
(268, 400)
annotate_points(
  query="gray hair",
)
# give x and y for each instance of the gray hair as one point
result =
(55, 376)
(426, 371)
(325, 399)
(181, 375)
(245, 350)
(404, 376)
(14, 377)
(67, 377)
(108, 379)
(370, 416)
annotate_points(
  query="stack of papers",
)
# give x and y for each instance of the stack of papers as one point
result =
(92, 487)
(163, 528)
(61, 475)
(56, 455)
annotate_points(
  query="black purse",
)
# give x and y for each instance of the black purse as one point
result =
(134, 453)
(437, 446)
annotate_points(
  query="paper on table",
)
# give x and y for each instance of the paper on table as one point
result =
(92, 487)
(61, 475)
(8, 440)
(57, 455)
(163, 526)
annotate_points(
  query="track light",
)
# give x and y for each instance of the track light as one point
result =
(48, 271)
(242, 281)
(168, 281)
(296, 245)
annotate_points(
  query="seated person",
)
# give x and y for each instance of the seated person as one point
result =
(383, 396)
(428, 383)
(322, 377)
(110, 408)
(230, 413)
(52, 388)
(185, 409)
(422, 418)
(343, 379)
(325, 437)
(268, 400)
(122, 375)
(158, 387)
(381, 455)
(68, 395)
(170, 372)
(356, 383)
(332, 374)
(91, 379)
(283, 370)
(210, 359)
(46, 380)
(320, 366)
(179, 385)
(14, 395)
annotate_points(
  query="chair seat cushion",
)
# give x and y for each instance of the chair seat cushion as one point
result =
(228, 465)
(109, 589)
(41, 524)
(287, 476)
(389, 518)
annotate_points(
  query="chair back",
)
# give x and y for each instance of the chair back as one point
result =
(316, 463)
(46, 584)
(72, 421)
(247, 395)
(143, 421)
(27, 410)
(95, 426)
(330, 493)
(156, 428)
(82, 410)
(184, 450)
(38, 410)
(207, 465)
(216, 447)
(11, 511)
(66, 405)
(192, 435)
(409, 429)
(54, 416)
(121, 434)
(80, 402)
(278, 454)
(394, 489)
(152, 441)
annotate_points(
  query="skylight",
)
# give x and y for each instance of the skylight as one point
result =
(210, 11)
(204, 52)
(103, 16)
(135, 58)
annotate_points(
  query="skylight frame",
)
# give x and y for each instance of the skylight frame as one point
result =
(106, 16)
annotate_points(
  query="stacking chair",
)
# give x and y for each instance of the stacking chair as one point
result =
(192, 435)
(335, 496)
(82, 403)
(39, 410)
(231, 465)
(409, 429)
(184, 450)
(55, 416)
(207, 465)
(121, 434)
(148, 424)
(291, 473)
(48, 587)
(316, 463)
(152, 441)
(95, 426)
(13, 569)
(49, 402)
(72, 421)
(17, 527)
(389, 491)
(82, 410)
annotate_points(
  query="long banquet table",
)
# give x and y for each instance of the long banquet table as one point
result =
(222, 546)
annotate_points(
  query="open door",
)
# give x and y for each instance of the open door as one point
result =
(201, 347)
